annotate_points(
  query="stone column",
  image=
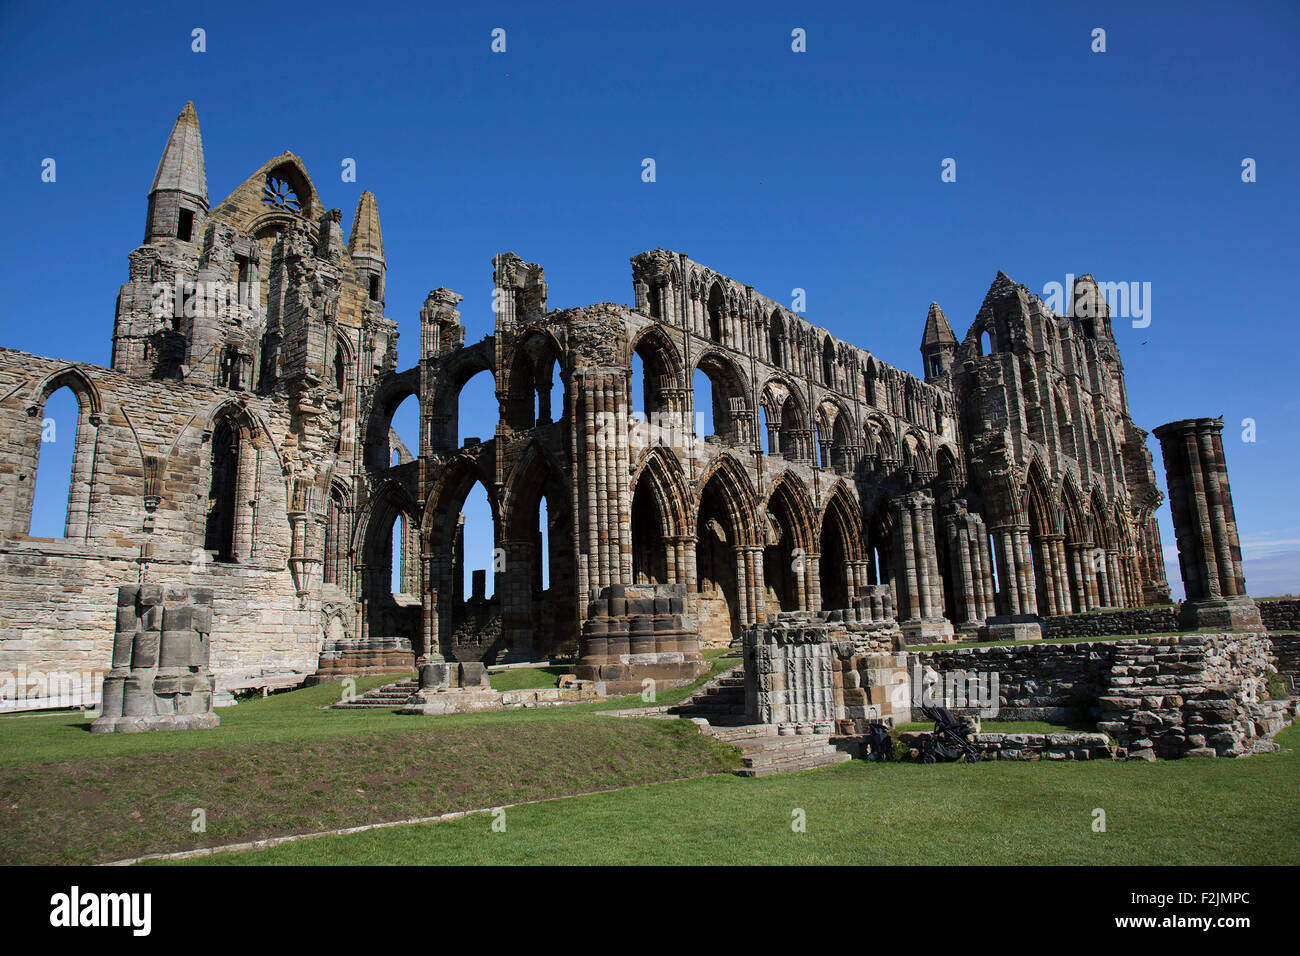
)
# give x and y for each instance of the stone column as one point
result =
(916, 571)
(1209, 552)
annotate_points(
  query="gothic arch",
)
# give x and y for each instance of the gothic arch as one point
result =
(236, 442)
(542, 615)
(537, 356)
(391, 392)
(733, 414)
(81, 478)
(659, 518)
(841, 548)
(661, 364)
(1042, 530)
(72, 377)
(453, 374)
(729, 477)
(777, 340)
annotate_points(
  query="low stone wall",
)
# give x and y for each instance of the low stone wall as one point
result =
(1131, 620)
(1283, 615)
(1056, 683)
(1286, 658)
(457, 700)
(1196, 694)
(1062, 746)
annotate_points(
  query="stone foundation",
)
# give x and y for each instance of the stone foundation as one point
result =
(1200, 695)
(466, 700)
(1286, 658)
(1189, 694)
(1280, 615)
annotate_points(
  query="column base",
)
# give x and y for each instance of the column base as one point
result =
(435, 675)
(1012, 627)
(927, 630)
(132, 725)
(1221, 614)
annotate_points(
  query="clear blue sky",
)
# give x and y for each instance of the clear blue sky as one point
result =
(818, 170)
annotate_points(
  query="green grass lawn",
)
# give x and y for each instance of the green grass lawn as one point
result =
(526, 678)
(287, 764)
(1244, 811)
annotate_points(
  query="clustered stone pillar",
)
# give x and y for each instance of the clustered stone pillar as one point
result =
(972, 576)
(159, 679)
(1209, 553)
(604, 498)
(919, 584)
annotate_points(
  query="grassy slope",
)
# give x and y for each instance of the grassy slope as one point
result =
(285, 765)
(1176, 812)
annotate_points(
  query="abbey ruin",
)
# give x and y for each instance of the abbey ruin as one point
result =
(240, 443)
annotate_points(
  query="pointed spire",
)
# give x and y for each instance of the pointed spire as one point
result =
(937, 329)
(181, 167)
(366, 238)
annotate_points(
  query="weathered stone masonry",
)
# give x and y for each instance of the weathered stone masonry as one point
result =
(241, 443)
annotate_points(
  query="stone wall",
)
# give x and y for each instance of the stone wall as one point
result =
(140, 441)
(1135, 620)
(1283, 615)
(1197, 694)
(1286, 658)
(1062, 746)
(1192, 695)
(1057, 683)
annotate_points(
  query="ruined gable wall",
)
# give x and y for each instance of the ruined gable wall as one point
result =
(58, 595)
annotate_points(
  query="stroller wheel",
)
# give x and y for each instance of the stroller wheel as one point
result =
(927, 758)
(972, 758)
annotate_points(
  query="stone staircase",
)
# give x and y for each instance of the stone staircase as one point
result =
(765, 752)
(721, 701)
(388, 697)
(719, 708)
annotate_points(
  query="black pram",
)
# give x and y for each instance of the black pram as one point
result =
(882, 744)
(948, 742)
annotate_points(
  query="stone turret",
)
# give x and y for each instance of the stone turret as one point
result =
(938, 344)
(366, 246)
(178, 199)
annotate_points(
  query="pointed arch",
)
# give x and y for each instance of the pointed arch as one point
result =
(724, 536)
(1042, 531)
(733, 414)
(537, 535)
(238, 443)
(79, 494)
(776, 340)
(841, 548)
(659, 518)
(662, 370)
(537, 356)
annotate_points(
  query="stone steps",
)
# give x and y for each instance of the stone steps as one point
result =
(767, 755)
(388, 697)
(721, 701)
